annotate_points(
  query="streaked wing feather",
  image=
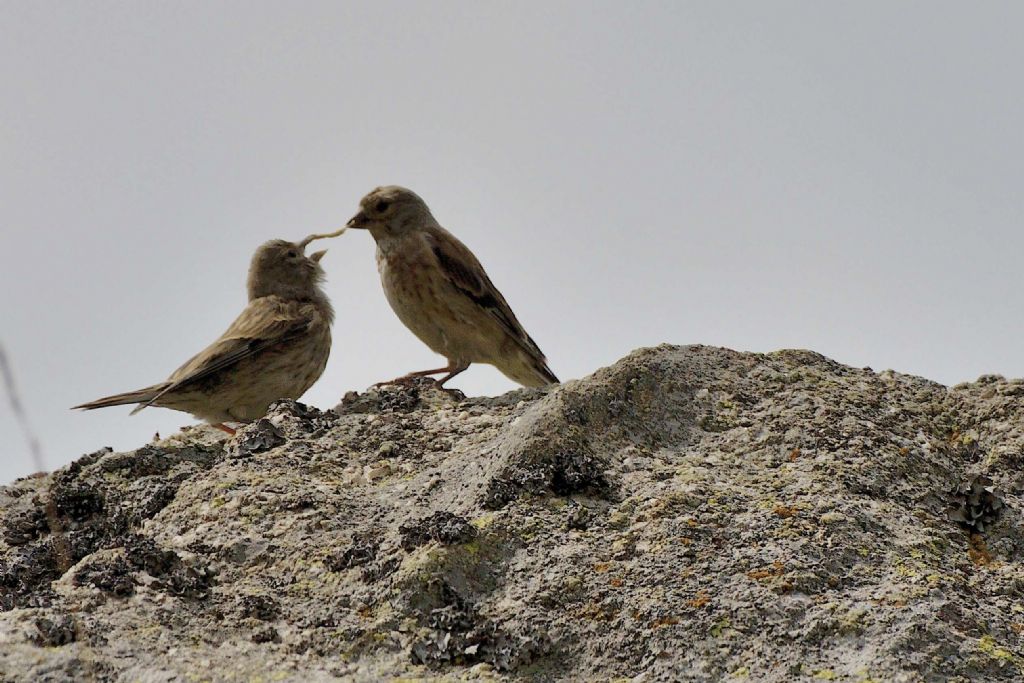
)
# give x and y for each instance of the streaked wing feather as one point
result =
(263, 323)
(466, 274)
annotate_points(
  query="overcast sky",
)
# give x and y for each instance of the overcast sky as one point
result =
(844, 177)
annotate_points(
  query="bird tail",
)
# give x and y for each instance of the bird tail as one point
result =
(141, 396)
(542, 369)
(529, 370)
(545, 372)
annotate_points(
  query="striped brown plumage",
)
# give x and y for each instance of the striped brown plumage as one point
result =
(276, 348)
(439, 290)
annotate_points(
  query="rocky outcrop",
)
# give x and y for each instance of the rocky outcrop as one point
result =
(687, 514)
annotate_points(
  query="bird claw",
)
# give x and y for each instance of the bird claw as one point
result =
(411, 379)
(453, 393)
(408, 381)
(398, 381)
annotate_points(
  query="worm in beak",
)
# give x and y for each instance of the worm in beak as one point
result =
(323, 236)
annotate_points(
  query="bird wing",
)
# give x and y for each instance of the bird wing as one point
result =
(465, 273)
(264, 323)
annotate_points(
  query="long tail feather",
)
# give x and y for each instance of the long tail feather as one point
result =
(544, 371)
(530, 370)
(139, 396)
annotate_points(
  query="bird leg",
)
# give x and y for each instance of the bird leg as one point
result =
(224, 428)
(452, 369)
(405, 380)
(423, 373)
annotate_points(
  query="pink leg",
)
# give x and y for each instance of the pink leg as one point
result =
(452, 372)
(452, 369)
(224, 428)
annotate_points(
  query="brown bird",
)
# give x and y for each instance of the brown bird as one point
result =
(440, 291)
(277, 348)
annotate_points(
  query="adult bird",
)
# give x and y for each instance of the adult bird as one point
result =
(439, 290)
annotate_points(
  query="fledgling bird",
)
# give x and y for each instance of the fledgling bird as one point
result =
(440, 291)
(277, 348)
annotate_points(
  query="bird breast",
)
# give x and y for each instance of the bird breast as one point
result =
(417, 291)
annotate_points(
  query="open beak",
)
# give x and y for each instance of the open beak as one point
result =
(317, 255)
(357, 221)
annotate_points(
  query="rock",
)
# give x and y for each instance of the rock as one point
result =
(443, 527)
(689, 513)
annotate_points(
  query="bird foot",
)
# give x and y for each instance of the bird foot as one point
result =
(453, 393)
(405, 381)
(411, 378)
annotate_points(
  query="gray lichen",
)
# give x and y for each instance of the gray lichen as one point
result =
(689, 513)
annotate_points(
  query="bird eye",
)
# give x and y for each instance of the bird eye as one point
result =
(293, 254)
(382, 206)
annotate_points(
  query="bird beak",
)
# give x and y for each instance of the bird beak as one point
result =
(317, 255)
(357, 221)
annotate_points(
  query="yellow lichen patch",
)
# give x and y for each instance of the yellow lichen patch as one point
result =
(904, 570)
(988, 645)
(618, 520)
(851, 622)
(721, 627)
(832, 517)
(825, 675)
(669, 506)
(471, 548)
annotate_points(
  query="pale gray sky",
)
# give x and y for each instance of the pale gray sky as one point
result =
(845, 177)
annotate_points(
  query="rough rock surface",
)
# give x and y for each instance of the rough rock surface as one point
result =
(688, 514)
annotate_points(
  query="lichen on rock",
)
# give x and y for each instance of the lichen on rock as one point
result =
(689, 513)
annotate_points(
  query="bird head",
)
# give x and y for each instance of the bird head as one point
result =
(391, 211)
(282, 268)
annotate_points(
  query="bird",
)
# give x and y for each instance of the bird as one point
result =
(439, 290)
(276, 348)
